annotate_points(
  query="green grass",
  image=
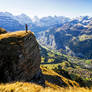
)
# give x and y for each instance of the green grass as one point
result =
(88, 61)
(85, 37)
(56, 61)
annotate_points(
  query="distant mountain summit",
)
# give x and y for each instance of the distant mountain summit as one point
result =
(49, 21)
(9, 22)
(13, 23)
(6, 14)
(24, 19)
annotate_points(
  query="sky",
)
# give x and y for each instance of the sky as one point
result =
(42, 8)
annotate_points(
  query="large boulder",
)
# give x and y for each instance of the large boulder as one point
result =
(19, 56)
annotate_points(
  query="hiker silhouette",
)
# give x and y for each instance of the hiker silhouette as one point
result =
(26, 27)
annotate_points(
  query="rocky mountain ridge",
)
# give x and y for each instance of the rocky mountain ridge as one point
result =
(14, 23)
(73, 38)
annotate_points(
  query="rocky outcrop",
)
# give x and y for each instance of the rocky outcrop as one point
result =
(19, 56)
(2, 31)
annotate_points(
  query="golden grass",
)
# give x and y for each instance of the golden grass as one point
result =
(2, 30)
(50, 87)
(68, 82)
(15, 34)
(29, 87)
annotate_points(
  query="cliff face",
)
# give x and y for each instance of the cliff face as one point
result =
(19, 56)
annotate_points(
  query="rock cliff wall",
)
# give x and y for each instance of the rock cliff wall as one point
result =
(19, 56)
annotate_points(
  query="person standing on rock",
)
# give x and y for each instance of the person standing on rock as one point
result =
(26, 27)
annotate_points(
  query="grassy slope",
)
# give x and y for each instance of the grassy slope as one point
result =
(51, 87)
(2, 31)
(75, 67)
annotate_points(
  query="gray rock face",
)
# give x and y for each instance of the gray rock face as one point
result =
(19, 56)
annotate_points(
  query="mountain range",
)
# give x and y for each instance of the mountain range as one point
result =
(13, 23)
(68, 36)
(73, 38)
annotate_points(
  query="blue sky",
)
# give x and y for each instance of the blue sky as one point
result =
(41, 8)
